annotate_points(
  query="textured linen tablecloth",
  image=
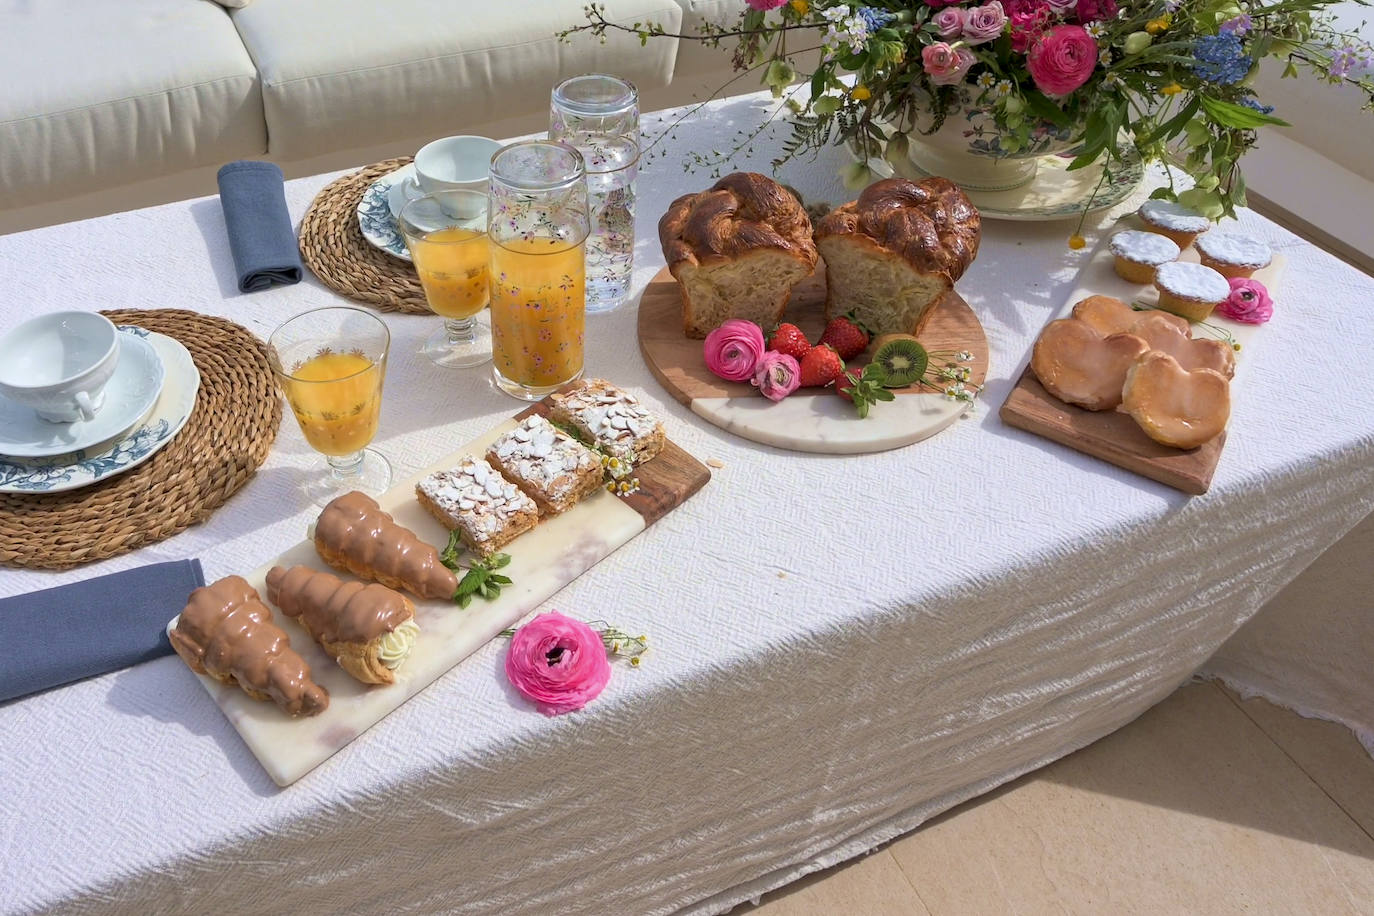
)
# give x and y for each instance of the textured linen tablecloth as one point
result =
(843, 646)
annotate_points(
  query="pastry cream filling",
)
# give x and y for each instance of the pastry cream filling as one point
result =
(396, 644)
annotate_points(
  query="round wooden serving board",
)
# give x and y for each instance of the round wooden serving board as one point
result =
(811, 419)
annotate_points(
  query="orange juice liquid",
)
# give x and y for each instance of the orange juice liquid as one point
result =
(337, 399)
(538, 310)
(452, 264)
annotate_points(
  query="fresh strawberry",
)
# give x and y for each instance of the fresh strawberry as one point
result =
(847, 336)
(820, 366)
(789, 339)
(863, 388)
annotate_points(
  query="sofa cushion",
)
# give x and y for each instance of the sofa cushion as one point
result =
(106, 93)
(339, 74)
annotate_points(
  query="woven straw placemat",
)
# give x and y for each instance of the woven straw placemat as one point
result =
(220, 448)
(333, 247)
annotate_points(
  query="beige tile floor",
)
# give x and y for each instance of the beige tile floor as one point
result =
(1205, 804)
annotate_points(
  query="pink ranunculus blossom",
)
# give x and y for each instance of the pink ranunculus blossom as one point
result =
(1028, 19)
(1062, 7)
(1096, 10)
(558, 662)
(733, 349)
(777, 375)
(1248, 303)
(1062, 59)
(949, 22)
(946, 65)
(942, 3)
(984, 23)
(765, 5)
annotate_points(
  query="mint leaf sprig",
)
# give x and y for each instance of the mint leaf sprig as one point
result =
(481, 579)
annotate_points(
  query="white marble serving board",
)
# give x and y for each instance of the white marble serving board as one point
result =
(558, 550)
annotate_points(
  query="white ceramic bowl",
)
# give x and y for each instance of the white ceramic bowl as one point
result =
(58, 364)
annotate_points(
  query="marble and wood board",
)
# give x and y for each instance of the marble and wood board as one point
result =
(557, 551)
(1113, 436)
(810, 419)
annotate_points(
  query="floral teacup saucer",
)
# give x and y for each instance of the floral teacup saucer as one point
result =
(377, 212)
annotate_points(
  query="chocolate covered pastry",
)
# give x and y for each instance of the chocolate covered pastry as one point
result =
(355, 535)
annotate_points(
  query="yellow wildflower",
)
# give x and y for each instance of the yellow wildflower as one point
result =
(800, 7)
(1077, 241)
(860, 93)
(1171, 89)
(1155, 26)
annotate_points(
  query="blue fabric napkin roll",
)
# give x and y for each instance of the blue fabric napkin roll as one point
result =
(86, 628)
(260, 234)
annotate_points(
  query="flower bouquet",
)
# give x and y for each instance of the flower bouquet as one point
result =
(1165, 80)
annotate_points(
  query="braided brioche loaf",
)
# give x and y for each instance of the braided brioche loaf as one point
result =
(891, 254)
(736, 251)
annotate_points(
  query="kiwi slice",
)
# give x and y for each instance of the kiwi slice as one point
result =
(902, 358)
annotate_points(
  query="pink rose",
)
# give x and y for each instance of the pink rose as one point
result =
(945, 65)
(732, 349)
(1028, 19)
(1062, 60)
(777, 375)
(984, 23)
(765, 5)
(949, 22)
(1249, 302)
(1095, 10)
(558, 662)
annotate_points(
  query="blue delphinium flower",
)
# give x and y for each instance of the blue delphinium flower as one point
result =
(1249, 102)
(1220, 59)
(875, 18)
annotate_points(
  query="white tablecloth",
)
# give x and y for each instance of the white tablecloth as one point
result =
(843, 646)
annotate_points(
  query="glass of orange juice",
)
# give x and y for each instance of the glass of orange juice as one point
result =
(537, 226)
(446, 233)
(330, 364)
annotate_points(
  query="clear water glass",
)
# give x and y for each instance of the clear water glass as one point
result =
(599, 115)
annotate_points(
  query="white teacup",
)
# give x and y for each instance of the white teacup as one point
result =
(58, 364)
(451, 164)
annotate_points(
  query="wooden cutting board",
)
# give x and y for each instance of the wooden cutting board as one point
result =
(558, 550)
(1115, 437)
(810, 419)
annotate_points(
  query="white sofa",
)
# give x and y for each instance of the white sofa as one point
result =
(116, 103)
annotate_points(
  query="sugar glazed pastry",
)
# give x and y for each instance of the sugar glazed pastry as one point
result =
(1233, 255)
(1172, 334)
(553, 468)
(737, 251)
(1174, 221)
(1174, 406)
(226, 632)
(610, 418)
(368, 629)
(486, 510)
(1108, 315)
(1190, 290)
(1080, 365)
(1136, 255)
(355, 535)
(891, 254)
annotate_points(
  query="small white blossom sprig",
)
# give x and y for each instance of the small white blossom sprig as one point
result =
(954, 378)
(619, 643)
(617, 473)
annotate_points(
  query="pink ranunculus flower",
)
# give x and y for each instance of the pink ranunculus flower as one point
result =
(733, 349)
(1248, 303)
(1028, 19)
(1096, 10)
(984, 23)
(777, 375)
(1062, 7)
(941, 3)
(946, 65)
(1062, 60)
(949, 22)
(765, 5)
(558, 662)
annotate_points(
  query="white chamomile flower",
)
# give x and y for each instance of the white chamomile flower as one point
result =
(1003, 88)
(1095, 29)
(986, 80)
(1105, 58)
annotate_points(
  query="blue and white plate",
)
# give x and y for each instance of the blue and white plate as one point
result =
(377, 213)
(83, 467)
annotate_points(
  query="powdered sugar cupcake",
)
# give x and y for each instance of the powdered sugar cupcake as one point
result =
(1190, 290)
(1173, 220)
(1138, 254)
(1233, 255)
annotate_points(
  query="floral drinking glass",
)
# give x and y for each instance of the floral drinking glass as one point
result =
(537, 227)
(330, 363)
(446, 233)
(599, 115)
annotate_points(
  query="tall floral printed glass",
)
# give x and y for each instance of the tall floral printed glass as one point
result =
(599, 115)
(537, 226)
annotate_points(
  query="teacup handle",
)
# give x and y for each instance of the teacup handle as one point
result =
(83, 404)
(410, 184)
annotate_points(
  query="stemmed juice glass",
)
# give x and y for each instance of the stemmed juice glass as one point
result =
(537, 226)
(446, 233)
(330, 363)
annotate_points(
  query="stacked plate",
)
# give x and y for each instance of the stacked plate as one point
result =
(380, 206)
(147, 402)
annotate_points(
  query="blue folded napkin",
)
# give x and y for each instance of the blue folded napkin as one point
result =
(86, 628)
(260, 234)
